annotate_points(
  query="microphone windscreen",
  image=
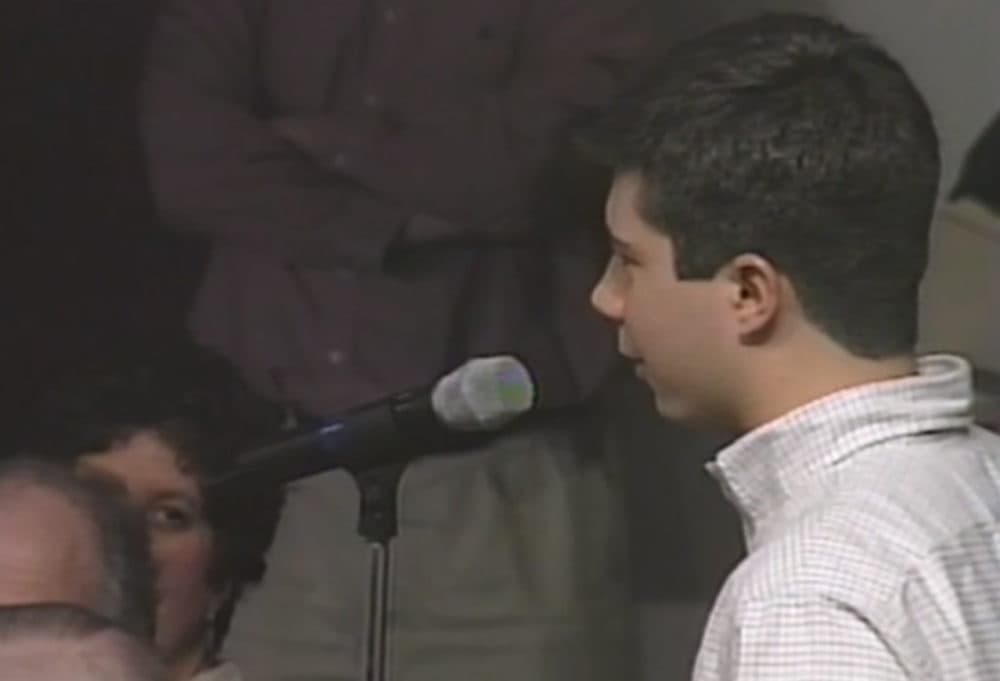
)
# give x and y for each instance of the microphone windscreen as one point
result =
(484, 393)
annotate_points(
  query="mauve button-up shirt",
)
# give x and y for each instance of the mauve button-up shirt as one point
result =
(382, 183)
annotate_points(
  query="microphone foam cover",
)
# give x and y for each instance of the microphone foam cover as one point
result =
(484, 394)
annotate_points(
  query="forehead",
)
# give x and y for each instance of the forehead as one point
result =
(31, 508)
(145, 464)
(143, 458)
(626, 223)
(624, 206)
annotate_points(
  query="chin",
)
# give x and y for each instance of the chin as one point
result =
(686, 413)
(669, 404)
(673, 409)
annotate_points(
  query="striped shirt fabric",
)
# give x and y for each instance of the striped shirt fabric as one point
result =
(871, 520)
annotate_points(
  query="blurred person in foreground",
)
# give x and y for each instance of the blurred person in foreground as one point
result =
(774, 189)
(60, 642)
(66, 540)
(161, 422)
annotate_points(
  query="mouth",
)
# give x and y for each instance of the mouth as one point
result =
(627, 353)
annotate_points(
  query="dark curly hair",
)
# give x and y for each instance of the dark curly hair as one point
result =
(195, 401)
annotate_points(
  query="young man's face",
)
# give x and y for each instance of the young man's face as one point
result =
(675, 332)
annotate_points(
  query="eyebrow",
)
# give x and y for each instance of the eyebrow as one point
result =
(169, 495)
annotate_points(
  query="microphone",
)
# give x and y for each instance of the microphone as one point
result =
(483, 395)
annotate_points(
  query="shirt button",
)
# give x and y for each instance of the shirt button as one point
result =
(390, 15)
(371, 100)
(335, 357)
(340, 160)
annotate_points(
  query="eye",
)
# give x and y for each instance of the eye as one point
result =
(619, 268)
(171, 518)
(627, 260)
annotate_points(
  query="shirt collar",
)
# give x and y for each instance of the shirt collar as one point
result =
(764, 469)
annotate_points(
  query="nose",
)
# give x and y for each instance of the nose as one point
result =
(605, 297)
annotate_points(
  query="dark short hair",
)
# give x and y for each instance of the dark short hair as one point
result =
(195, 401)
(796, 139)
(127, 591)
(58, 621)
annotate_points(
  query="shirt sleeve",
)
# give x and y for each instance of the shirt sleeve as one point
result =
(217, 168)
(807, 638)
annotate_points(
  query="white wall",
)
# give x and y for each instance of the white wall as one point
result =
(950, 47)
(952, 50)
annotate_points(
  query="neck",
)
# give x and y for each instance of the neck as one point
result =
(793, 382)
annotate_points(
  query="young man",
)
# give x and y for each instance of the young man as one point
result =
(769, 219)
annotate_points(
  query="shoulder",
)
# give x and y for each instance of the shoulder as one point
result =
(884, 527)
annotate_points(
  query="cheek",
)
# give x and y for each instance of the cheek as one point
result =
(185, 598)
(672, 331)
(182, 560)
(648, 319)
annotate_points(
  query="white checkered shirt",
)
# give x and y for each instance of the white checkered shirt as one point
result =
(871, 518)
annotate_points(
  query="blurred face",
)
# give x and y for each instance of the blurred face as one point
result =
(181, 540)
(49, 551)
(673, 331)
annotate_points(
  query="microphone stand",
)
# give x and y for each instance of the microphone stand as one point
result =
(378, 524)
(377, 428)
(373, 442)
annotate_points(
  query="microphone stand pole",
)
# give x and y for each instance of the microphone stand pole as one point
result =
(378, 523)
